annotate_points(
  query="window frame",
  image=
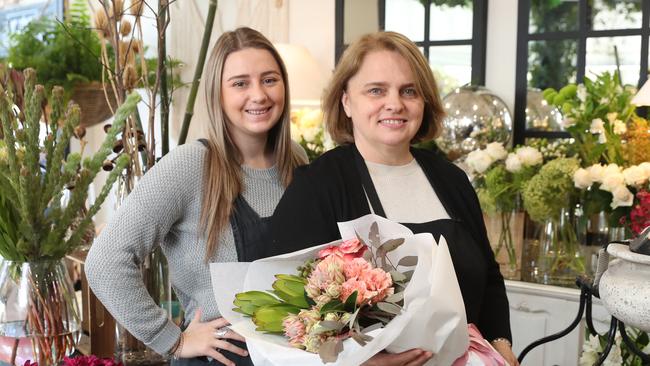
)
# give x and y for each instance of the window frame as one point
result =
(520, 132)
(478, 40)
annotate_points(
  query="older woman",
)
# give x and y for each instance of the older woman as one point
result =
(382, 98)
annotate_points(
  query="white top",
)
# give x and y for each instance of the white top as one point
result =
(405, 193)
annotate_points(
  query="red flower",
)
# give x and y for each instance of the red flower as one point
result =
(348, 250)
(30, 363)
(639, 217)
(90, 360)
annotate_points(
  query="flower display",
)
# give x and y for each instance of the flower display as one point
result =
(307, 129)
(639, 217)
(619, 355)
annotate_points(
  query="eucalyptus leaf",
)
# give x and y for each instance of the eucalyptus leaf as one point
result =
(397, 276)
(375, 241)
(394, 298)
(408, 261)
(372, 327)
(392, 244)
(327, 326)
(329, 350)
(389, 308)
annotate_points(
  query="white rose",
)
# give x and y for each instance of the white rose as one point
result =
(295, 133)
(479, 161)
(612, 169)
(529, 156)
(596, 173)
(634, 175)
(621, 197)
(309, 134)
(597, 126)
(581, 178)
(611, 181)
(611, 117)
(496, 150)
(646, 168)
(619, 127)
(513, 163)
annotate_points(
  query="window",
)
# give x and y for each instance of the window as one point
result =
(450, 33)
(561, 41)
(14, 17)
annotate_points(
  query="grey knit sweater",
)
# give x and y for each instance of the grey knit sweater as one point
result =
(164, 209)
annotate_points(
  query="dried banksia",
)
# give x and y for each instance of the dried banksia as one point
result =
(125, 28)
(136, 45)
(127, 56)
(137, 6)
(101, 24)
(130, 77)
(117, 9)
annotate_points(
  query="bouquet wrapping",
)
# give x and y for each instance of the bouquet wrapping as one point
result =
(432, 317)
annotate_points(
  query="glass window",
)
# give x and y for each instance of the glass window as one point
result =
(551, 64)
(602, 53)
(552, 16)
(452, 66)
(451, 21)
(406, 17)
(618, 14)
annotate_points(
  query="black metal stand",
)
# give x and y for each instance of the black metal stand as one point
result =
(586, 292)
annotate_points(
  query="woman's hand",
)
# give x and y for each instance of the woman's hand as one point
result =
(201, 339)
(506, 352)
(413, 357)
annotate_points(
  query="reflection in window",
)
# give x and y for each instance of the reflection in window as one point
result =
(452, 66)
(551, 64)
(553, 16)
(603, 51)
(615, 14)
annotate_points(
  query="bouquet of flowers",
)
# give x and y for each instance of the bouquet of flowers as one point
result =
(620, 354)
(349, 301)
(307, 130)
(596, 113)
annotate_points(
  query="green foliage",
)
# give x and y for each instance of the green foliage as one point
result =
(62, 53)
(37, 226)
(602, 98)
(550, 190)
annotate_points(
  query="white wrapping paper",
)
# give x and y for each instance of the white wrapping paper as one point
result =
(433, 317)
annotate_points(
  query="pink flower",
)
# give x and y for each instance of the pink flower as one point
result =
(352, 285)
(372, 286)
(356, 267)
(294, 329)
(90, 360)
(327, 273)
(348, 250)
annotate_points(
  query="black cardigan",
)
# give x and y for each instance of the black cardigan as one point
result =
(329, 190)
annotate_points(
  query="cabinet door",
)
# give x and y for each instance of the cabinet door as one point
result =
(533, 317)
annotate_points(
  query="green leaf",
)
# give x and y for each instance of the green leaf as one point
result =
(408, 261)
(395, 298)
(397, 276)
(391, 245)
(332, 306)
(389, 308)
(351, 302)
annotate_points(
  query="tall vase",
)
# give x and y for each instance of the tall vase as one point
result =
(39, 314)
(560, 259)
(595, 230)
(506, 234)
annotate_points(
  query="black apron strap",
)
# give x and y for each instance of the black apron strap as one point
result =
(366, 183)
(249, 231)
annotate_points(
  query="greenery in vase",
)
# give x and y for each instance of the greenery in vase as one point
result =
(62, 53)
(620, 354)
(34, 174)
(596, 113)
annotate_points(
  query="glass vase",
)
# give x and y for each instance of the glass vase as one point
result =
(39, 314)
(506, 233)
(560, 259)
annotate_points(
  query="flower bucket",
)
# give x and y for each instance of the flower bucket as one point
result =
(39, 314)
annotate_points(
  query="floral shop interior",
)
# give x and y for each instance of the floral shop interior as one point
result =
(546, 112)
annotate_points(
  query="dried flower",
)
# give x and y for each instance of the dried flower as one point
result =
(101, 24)
(130, 77)
(125, 28)
(136, 7)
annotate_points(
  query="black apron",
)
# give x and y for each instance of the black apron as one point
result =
(469, 264)
(248, 229)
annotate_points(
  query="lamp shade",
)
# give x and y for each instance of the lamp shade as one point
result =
(306, 77)
(643, 96)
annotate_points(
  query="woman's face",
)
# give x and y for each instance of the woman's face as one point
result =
(382, 100)
(252, 93)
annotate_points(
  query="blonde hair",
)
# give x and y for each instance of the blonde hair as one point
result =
(222, 181)
(339, 124)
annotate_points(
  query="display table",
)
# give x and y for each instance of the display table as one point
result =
(538, 310)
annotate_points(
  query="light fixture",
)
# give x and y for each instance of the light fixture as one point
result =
(306, 76)
(643, 96)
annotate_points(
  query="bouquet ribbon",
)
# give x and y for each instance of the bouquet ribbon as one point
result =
(480, 348)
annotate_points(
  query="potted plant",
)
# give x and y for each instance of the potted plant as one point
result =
(36, 229)
(65, 53)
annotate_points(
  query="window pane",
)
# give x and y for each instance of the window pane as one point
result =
(601, 57)
(360, 17)
(553, 16)
(619, 14)
(406, 17)
(551, 64)
(452, 21)
(452, 66)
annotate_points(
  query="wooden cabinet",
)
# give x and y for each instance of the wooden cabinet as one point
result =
(537, 311)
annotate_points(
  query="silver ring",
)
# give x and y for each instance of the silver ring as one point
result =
(221, 332)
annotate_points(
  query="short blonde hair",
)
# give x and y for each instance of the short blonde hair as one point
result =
(339, 124)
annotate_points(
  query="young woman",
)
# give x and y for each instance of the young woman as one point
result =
(381, 99)
(205, 201)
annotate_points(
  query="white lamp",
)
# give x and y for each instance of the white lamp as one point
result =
(643, 96)
(306, 78)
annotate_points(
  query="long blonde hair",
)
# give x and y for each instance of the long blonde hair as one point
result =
(339, 125)
(222, 181)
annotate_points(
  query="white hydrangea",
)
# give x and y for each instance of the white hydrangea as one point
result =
(496, 151)
(513, 163)
(582, 179)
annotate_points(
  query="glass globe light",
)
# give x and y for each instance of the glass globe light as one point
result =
(475, 117)
(540, 115)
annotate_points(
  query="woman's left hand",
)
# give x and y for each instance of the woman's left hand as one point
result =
(506, 352)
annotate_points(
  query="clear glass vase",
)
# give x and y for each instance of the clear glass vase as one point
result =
(506, 234)
(560, 259)
(39, 314)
